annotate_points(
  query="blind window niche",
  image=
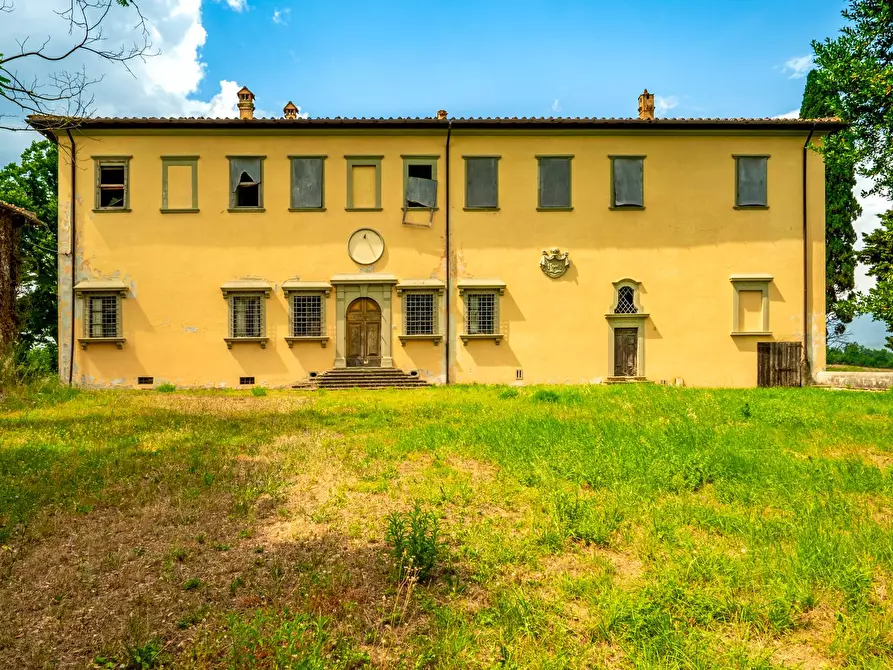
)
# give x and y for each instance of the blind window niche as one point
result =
(627, 182)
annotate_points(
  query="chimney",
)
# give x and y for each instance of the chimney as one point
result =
(646, 106)
(290, 111)
(246, 103)
(441, 115)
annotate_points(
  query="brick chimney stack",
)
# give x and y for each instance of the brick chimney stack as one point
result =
(646, 106)
(246, 103)
(441, 114)
(290, 111)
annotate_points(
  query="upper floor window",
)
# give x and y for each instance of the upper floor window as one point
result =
(554, 192)
(420, 182)
(246, 182)
(112, 183)
(363, 183)
(627, 182)
(307, 182)
(750, 181)
(179, 184)
(481, 182)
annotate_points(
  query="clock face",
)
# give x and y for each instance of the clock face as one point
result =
(365, 246)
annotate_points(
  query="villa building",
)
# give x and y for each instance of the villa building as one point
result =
(225, 252)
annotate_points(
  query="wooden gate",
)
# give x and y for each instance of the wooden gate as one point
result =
(779, 363)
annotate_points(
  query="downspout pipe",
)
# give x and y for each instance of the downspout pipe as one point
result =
(72, 253)
(449, 294)
(806, 325)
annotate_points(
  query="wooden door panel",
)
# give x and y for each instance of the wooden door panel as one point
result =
(626, 342)
(363, 333)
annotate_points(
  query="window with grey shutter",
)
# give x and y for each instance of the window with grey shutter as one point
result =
(628, 182)
(245, 182)
(751, 181)
(555, 182)
(307, 182)
(482, 182)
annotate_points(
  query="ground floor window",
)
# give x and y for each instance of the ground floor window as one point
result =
(419, 314)
(247, 311)
(306, 316)
(482, 313)
(104, 319)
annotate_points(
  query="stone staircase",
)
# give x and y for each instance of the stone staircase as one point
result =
(363, 378)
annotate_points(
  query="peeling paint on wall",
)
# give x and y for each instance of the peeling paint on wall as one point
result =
(190, 329)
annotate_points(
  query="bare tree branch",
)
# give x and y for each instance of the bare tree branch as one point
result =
(64, 94)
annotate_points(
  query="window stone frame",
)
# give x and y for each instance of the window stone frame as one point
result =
(179, 161)
(494, 287)
(433, 287)
(421, 159)
(363, 161)
(750, 282)
(240, 288)
(233, 209)
(110, 161)
(87, 289)
(294, 288)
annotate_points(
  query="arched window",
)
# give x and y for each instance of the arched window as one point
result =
(626, 300)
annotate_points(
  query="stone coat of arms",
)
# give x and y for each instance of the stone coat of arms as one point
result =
(554, 263)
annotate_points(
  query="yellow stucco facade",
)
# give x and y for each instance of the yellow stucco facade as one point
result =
(699, 267)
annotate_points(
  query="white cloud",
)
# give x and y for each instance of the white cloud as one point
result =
(798, 66)
(556, 106)
(662, 105)
(793, 114)
(164, 85)
(236, 5)
(280, 16)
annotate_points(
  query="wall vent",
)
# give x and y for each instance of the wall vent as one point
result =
(145, 380)
(413, 373)
(246, 381)
(313, 375)
(519, 374)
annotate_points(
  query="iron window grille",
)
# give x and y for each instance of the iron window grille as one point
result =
(112, 183)
(419, 314)
(246, 315)
(482, 313)
(103, 316)
(306, 315)
(626, 301)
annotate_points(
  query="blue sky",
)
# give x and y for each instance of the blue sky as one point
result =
(491, 57)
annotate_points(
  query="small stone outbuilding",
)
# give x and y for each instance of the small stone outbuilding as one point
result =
(12, 219)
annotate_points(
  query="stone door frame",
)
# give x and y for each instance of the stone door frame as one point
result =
(378, 288)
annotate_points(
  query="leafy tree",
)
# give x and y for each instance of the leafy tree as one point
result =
(33, 184)
(856, 354)
(858, 64)
(841, 208)
(65, 92)
(877, 254)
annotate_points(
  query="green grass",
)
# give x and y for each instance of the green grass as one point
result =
(632, 527)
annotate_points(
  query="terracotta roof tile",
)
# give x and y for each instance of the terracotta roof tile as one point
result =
(24, 213)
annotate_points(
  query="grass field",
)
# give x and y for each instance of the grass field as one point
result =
(621, 527)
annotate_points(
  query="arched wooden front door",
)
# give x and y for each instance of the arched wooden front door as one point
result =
(363, 334)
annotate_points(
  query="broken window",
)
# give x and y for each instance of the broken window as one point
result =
(420, 182)
(554, 182)
(627, 186)
(481, 182)
(750, 189)
(246, 182)
(111, 183)
(103, 319)
(307, 182)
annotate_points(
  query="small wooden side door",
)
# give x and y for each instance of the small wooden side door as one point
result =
(779, 363)
(626, 345)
